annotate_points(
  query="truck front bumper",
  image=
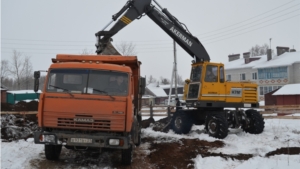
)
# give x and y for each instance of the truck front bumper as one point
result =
(84, 140)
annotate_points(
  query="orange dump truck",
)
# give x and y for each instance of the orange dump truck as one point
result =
(90, 102)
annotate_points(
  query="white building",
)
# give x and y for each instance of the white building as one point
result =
(160, 93)
(269, 73)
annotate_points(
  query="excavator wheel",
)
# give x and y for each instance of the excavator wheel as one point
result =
(257, 123)
(216, 125)
(181, 123)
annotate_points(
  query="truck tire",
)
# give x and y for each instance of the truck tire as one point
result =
(181, 122)
(52, 152)
(127, 155)
(139, 140)
(216, 125)
(257, 123)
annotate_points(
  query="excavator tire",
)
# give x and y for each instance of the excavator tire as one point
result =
(257, 123)
(181, 123)
(216, 125)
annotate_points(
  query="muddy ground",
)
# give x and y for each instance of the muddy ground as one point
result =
(160, 153)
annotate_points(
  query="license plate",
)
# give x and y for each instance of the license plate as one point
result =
(81, 140)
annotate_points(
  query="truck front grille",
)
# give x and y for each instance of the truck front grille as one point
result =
(97, 124)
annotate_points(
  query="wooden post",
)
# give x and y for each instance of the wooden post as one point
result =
(169, 112)
(151, 110)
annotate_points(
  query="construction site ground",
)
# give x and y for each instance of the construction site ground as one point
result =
(278, 145)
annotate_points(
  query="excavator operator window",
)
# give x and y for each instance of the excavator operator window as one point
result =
(196, 73)
(211, 73)
(222, 79)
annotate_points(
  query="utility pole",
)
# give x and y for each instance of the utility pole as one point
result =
(174, 73)
(175, 68)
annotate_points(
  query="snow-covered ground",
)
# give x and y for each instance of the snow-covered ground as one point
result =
(277, 134)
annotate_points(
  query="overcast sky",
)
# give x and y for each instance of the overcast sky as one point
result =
(41, 29)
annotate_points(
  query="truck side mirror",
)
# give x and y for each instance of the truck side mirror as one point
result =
(36, 75)
(142, 85)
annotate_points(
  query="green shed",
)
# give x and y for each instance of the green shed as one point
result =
(22, 95)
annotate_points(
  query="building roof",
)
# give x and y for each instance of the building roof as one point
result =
(286, 59)
(240, 63)
(289, 89)
(22, 91)
(3, 87)
(158, 90)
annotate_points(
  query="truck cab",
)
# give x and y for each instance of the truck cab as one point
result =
(91, 102)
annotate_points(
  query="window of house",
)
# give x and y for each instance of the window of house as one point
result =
(242, 76)
(254, 76)
(265, 89)
(228, 77)
(261, 90)
(270, 89)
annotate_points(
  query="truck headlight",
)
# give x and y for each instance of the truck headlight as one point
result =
(47, 138)
(116, 142)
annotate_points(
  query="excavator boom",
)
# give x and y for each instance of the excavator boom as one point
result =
(135, 9)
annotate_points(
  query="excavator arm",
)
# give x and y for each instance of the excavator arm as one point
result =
(135, 9)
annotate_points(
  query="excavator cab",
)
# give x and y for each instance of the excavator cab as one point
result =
(207, 87)
(206, 79)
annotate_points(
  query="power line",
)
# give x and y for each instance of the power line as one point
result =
(276, 17)
(255, 29)
(246, 19)
(160, 41)
(248, 27)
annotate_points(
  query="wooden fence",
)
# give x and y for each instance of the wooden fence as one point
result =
(268, 112)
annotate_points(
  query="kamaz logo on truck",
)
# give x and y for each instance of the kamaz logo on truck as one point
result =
(83, 120)
(236, 92)
(182, 37)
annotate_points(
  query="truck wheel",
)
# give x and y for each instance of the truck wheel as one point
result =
(257, 123)
(127, 155)
(52, 152)
(181, 122)
(139, 140)
(216, 125)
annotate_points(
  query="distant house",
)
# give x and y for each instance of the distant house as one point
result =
(269, 72)
(160, 93)
(3, 94)
(22, 95)
(287, 95)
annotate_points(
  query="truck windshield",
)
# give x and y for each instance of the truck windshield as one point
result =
(88, 81)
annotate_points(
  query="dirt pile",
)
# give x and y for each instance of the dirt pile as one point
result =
(15, 127)
(162, 125)
(20, 106)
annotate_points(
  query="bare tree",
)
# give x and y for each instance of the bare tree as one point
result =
(180, 81)
(164, 80)
(28, 72)
(42, 82)
(4, 70)
(258, 50)
(126, 48)
(87, 52)
(21, 69)
(151, 80)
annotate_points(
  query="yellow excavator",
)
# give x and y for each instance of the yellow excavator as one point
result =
(210, 99)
